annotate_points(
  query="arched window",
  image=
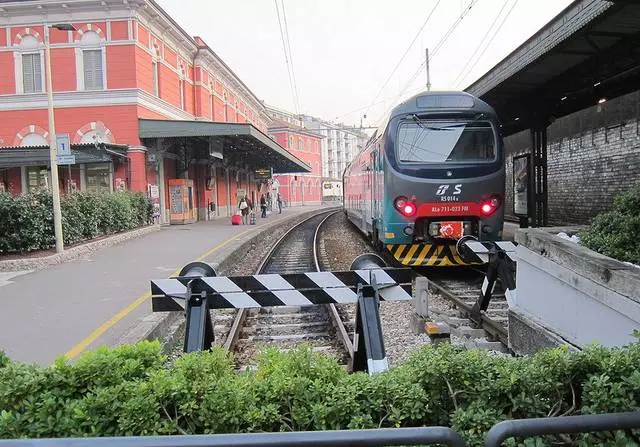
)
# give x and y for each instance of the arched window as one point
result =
(92, 62)
(301, 144)
(32, 63)
(291, 143)
(34, 139)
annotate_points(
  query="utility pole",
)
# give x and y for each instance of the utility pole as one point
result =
(427, 65)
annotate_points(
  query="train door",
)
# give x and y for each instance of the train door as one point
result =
(372, 191)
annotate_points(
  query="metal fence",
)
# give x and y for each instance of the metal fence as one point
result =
(521, 428)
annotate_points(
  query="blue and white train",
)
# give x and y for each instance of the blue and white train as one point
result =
(430, 175)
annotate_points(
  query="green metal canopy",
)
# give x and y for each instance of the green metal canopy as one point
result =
(16, 156)
(239, 142)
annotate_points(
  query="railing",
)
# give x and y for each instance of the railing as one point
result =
(521, 428)
(355, 438)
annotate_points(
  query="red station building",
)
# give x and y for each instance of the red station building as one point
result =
(146, 106)
(295, 188)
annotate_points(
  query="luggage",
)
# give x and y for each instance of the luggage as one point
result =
(236, 219)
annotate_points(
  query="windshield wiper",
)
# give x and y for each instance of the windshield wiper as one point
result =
(422, 126)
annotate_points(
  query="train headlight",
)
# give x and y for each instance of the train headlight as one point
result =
(490, 204)
(405, 207)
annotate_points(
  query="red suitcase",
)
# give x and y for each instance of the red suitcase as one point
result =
(236, 219)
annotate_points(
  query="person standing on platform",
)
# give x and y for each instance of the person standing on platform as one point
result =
(263, 205)
(244, 209)
(279, 204)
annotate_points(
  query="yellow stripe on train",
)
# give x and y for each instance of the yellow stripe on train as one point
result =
(426, 255)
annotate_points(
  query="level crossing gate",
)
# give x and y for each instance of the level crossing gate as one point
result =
(196, 294)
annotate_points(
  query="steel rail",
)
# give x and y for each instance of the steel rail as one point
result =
(242, 314)
(488, 324)
(334, 316)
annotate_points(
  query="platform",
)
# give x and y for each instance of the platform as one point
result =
(93, 301)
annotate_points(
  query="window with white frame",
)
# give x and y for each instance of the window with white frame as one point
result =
(92, 59)
(211, 105)
(181, 88)
(156, 77)
(31, 73)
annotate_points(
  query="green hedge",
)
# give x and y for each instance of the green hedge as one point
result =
(27, 220)
(129, 391)
(615, 233)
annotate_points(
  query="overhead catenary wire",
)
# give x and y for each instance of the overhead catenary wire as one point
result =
(286, 58)
(484, 38)
(438, 46)
(293, 72)
(404, 55)
(490, 40)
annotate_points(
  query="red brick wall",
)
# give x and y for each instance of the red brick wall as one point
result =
(63, 66)
(7, 75)
(120, 30)
(121, 73)
(143, 71)
(138, 170)
(121, 120)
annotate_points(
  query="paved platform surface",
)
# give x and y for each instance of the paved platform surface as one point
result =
(92, 301)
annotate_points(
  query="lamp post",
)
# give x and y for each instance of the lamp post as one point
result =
(53, 151)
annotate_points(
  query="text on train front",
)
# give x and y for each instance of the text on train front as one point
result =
(452, 193)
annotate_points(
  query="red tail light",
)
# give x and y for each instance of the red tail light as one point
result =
(405, 207)
(490, 204)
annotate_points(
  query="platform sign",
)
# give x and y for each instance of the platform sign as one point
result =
(66, 159)
(262, 174)
(521, 167)
(63, 145)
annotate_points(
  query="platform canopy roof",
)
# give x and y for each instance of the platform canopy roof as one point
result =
(239, 142)
(587, 53)
(16, 156)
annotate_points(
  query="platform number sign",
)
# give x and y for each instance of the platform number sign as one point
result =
(63, 147)
(62, 144)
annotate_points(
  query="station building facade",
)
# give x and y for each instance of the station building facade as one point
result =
(147, 107)
(301, 188)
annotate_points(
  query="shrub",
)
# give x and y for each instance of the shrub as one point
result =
(129, 390)
(27, 220)
(615, 232)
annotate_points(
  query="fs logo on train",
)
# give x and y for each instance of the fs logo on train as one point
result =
(453, 197)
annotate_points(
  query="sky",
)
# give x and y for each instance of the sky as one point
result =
(343, 52)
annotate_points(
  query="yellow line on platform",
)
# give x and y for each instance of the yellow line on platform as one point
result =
(84, 344)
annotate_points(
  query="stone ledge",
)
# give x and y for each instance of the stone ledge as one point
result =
(37, 263)
(607, 272)
(527, 335)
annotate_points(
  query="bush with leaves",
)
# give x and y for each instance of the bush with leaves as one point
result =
(615, 233)
(129, 390)
(27, 220)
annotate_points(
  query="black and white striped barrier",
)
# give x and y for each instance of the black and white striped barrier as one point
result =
(500, 257)
(368, 343)
(197, 290)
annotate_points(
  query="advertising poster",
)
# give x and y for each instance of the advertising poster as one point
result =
(521, 185)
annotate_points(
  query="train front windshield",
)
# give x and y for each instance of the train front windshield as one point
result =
(446, 141)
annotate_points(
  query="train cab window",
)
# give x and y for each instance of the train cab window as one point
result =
(441, 141)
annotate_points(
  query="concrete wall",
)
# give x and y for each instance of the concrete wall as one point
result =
(593, 155)
(568, 293)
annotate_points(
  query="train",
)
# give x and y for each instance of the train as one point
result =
(332, 191)
(430, 176)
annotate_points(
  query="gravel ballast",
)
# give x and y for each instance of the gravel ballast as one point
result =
(343, 244)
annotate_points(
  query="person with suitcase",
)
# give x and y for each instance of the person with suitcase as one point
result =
(244, 209)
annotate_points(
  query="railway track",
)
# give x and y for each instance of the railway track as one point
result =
(462, 289)
(288, 327)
